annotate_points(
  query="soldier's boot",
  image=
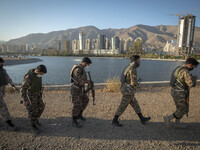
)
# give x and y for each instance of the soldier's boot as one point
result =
(75, 123)
(143, 119)
(167, 120)
(179, 125)
(115, 121)
(80, 116)
(11, 125)
(35, 129)
(39, 124)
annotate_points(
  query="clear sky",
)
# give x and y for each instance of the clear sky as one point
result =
(22, 17)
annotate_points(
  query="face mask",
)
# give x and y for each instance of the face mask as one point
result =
(190, 69)
(39, 76)
(137, 64)
(1, 66)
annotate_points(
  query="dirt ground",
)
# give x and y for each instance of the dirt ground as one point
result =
(98, 132)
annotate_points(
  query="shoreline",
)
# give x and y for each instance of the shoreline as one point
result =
(10, 62)
(163, 59)
(121, 58)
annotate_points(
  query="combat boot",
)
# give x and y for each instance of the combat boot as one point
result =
(39, 124)
(75, 123)
(11, 125)
(167, 120)
(80, 116)
(179, 125)
(35, 129)
(143, 119)
(115, 121)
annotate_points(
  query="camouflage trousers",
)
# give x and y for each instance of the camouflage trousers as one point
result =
(128, 98)
(3, 107)
(36, 107)
(180, 99)
(80, 101)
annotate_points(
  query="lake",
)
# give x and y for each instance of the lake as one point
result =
(58, 69)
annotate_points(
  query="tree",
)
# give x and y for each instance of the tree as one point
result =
(136, 48)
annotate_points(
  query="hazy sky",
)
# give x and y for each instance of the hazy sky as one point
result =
(22, 17)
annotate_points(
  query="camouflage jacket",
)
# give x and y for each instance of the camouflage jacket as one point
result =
(185, 78)
(6, 76)
(78, 75)
(131, 76)
(24, 90)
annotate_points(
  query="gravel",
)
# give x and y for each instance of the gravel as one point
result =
(57, 131)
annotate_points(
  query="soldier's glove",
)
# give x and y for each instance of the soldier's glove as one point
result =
(26, 103)
(194, 80)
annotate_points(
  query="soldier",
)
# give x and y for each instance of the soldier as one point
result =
(129, 84)
(5, 80)
(181, 82)
(79, 97)
(31, 91)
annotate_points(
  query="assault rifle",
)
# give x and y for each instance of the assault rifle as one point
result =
(139, 80)
(91, 87)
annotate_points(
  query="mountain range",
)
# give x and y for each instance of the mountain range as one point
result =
(156, 36)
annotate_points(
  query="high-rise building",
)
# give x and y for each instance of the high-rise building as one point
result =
(115, 43)
(58, 45)
(186, 35)
(4, 48)
(107, 44)
(95, 44)
(75, 45)
(28, 48)
(101, 41)
(121, 45)
(129, 43)
(88, 45)
(81, 41)
(67, 46)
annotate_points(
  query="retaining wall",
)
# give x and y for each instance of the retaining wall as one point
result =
(103, 85)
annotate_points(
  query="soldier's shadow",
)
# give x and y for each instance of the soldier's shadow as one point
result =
(95, 128)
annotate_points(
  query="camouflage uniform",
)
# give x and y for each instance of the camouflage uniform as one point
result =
(3, 107)
(79, 97)
(180, 93)
(128, 90)
(34, 97)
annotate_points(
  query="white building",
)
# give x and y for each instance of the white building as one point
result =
(170, 47)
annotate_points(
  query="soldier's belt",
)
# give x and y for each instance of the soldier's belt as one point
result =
(76, 86)
(129, 85)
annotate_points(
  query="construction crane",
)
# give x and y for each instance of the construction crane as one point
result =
(181, 14)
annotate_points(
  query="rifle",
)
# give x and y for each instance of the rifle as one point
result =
(187, 102)
(139, 80)
(91, 87)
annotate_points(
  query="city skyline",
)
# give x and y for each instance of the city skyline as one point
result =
(23, 17)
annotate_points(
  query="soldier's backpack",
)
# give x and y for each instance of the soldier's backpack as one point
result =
(72, 72)
(124, 74)
(174, 75)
